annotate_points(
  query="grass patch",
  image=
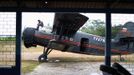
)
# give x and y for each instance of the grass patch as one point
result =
(29, 66)
(7, 38)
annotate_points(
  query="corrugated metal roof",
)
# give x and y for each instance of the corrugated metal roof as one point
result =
(95, 4)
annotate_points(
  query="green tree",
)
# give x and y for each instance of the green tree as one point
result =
(97, 27)
(115, 30)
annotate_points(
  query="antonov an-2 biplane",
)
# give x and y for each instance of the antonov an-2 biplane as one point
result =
(66, 37)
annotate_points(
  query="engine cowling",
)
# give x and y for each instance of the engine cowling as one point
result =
(28, 37)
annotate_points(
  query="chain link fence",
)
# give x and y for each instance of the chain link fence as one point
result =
(7, 39)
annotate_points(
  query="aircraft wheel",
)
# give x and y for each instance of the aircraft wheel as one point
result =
(42, 58)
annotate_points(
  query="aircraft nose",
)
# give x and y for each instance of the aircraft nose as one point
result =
(28, 37)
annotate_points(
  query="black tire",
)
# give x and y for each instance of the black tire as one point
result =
(121, 69)
(42, 58)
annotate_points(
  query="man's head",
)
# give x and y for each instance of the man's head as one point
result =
(39, 21)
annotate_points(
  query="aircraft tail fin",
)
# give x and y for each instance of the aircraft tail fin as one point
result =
(125, 35)
(127, 30)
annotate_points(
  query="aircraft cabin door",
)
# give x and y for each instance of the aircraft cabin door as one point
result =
(84, 42)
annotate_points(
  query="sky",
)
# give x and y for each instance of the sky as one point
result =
(122, 18)
(29, 19)
(47, 18)
(7, 23)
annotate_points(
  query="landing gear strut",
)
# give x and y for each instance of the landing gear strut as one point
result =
(121, 58)
(43, 57)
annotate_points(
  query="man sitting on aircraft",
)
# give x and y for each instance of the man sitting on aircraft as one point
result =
(40, 23)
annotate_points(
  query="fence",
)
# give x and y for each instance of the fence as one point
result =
(7, 39)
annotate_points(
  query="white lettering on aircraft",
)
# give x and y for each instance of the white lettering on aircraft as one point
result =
(98, 39)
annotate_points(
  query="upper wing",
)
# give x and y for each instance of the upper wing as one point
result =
(67, 24)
